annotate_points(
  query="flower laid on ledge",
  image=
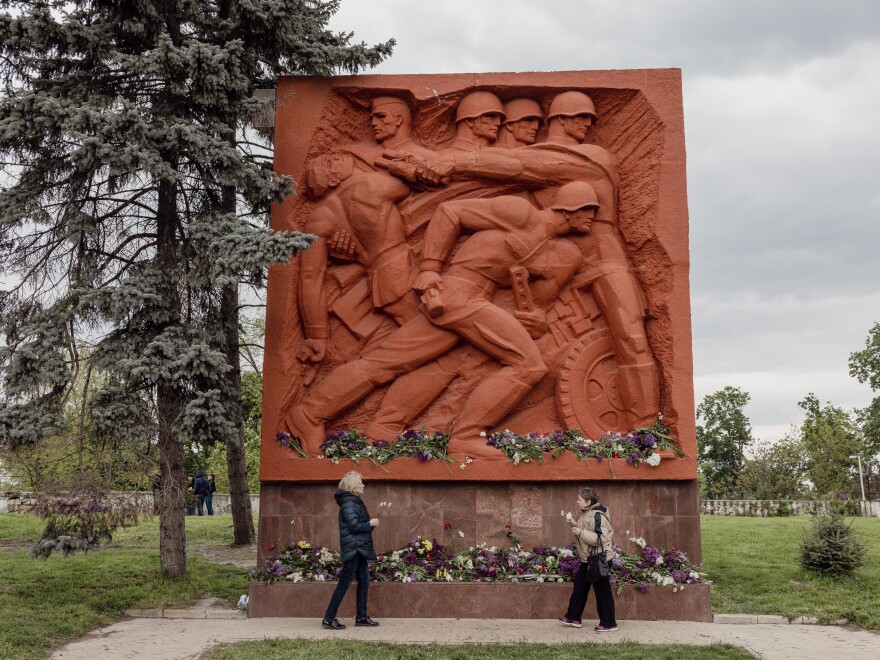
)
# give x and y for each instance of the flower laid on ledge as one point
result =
(637, 447)
(421, 444)
(423, 560)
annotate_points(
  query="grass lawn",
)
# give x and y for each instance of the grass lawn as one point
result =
(44, 604)
(753, 565)
(279, 649)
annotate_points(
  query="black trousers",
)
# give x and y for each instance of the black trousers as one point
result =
(356, 567)
(604, 598)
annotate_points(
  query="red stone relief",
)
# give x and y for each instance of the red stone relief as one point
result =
(495, 251)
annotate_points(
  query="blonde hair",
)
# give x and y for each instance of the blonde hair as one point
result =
(350, 480)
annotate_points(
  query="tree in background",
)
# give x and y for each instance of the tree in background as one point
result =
(776, 471)
(829, 437)
(131, 212)
(865, 366)
(721, 440)
(214, 458)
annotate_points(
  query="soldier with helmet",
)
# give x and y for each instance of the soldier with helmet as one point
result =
(569, 118)
(520, 128)
(477, 119)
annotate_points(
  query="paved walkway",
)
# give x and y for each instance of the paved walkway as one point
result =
(176, 638)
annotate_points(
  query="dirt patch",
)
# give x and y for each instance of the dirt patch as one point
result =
(241, 556)
(15, 546)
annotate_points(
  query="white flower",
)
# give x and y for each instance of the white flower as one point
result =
(461, 466)
(540, 578)
(482, 434)
(461, 533)
(468, 460)
(659, 561)
(653, 460)
(640, 542)
(559, 579)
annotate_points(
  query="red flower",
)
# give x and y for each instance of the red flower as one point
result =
(447, 525)
(270, 548)
(616, 456)
(508, 527)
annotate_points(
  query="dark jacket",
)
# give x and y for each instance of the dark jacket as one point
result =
(201, 485)
(355, 532)
(212, 487)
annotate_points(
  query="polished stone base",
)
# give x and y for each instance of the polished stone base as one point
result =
(460, 515)
(475, 600)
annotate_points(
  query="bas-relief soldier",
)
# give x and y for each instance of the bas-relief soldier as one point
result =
(521, 125)
(478, 118)
(357, 220)
(509, 238)
(392, 125)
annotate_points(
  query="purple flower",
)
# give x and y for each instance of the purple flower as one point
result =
(643, 587)
(380, 444)
(649, 440)
(651, 554)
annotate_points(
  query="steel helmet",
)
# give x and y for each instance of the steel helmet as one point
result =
(569, 104)
(477, 104)
(517, 109)
(575, 195)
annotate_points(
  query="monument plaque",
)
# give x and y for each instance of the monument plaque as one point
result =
(494, 252)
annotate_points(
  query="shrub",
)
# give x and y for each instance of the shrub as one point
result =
(784, 509)
(849, 508)
(82, 521)
(833, 547)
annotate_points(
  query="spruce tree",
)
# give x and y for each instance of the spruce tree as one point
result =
(131, 214)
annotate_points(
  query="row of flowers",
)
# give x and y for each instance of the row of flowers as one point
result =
(423, 560)
(637, 447)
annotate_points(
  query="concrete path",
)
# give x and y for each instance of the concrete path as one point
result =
(176, 638)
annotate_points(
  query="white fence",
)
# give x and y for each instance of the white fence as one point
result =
(25, 502)
(763, 508)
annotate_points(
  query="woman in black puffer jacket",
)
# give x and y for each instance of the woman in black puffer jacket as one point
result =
(355, 548)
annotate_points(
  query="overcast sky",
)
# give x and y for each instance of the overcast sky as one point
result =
(781, 101)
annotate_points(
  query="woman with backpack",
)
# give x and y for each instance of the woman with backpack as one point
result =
(592, 538)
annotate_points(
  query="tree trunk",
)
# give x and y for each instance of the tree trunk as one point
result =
(172, 531)
(236, 465)
(239, 497)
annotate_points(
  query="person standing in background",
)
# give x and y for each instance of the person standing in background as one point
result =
(201, 488)
(209, 498)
